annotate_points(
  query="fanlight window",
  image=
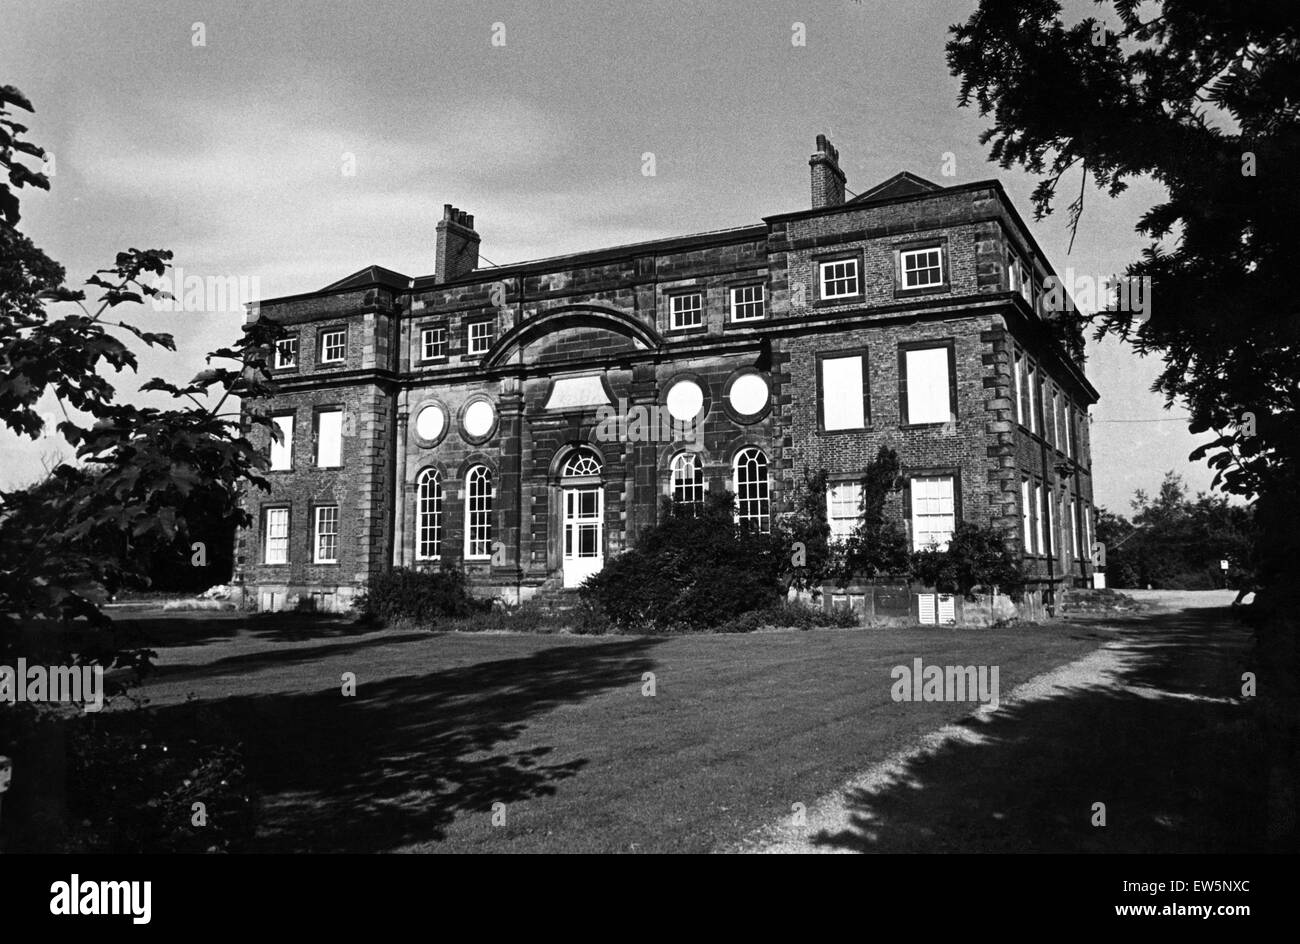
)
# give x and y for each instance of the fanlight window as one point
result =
(581, 463)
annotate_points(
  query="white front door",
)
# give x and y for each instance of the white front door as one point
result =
(584, 533)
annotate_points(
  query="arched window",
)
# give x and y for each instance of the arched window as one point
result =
(686, 479)
(753, 499)
(428, 515)
(582, 462)
(478, 513)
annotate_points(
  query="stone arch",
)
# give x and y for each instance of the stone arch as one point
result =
(571, 316)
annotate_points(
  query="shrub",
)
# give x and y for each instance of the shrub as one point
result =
(421, 596)
(694, 570)
(788, 615)
(977, 559)
(133, 790)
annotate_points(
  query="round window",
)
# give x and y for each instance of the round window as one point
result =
(685, 398)
(478, 419)
(748, 394)
(430, 422)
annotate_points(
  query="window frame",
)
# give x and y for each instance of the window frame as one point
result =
(904, 347)
(293, 341)
(764, 518)
(316, 435)
(954, 477)
(678, 295)
(1017, 383)
(490, 324)
(267, 511)
(761, 302)
(316, 533)
(322, 346)
(435, 498)
(1027, 530)
(901, 254)
(486, 529)
(287, 448)
(425, 356)
(862, 353)
(856, 486)
(859, 277)
(675, 482)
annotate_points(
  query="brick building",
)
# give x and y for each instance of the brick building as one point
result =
(464, 417)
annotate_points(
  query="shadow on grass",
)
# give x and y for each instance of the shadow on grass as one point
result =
(1178, 765)
(248, 662)
(201, 628)
(394, 764)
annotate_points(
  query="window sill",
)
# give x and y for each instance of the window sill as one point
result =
(938, 424)
(857, 299)
(900, 292)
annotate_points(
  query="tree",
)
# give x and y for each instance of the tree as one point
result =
(140, 472)
(1202, 98)
(877, 547)
(807, 533)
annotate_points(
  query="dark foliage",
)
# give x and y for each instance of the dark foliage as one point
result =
(977, 560)
(694, 570)
(419, 596)
(1174, 542)
(878, 547)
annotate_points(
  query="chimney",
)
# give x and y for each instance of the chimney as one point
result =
(827, 178)
(457, 252)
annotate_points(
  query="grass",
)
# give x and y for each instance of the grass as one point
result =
(556, 728)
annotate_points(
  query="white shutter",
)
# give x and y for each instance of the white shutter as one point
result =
(947, 609)
(842, 404)
(329, 438)
(925, 608)
(927, 386)
(282, 452)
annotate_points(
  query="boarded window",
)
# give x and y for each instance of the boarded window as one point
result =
(926, 375)
(843, 382)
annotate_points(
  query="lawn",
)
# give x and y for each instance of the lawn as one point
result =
(556, 728)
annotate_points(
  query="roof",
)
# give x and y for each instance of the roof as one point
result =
(901, 184)
(370, 275)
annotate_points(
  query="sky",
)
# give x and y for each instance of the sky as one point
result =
(234, 153)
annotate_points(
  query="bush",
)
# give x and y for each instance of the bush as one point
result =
(694, 570)
(420, 596)
(787, 615)
(977, 560)
(133, 788)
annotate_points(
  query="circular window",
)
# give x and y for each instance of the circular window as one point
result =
(748, 394)
(684, 400)
(431, 422)
(479, 418)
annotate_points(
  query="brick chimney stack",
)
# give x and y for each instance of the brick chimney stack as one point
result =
(457, 252)
(827, 178)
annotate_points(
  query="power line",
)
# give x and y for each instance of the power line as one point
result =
(1163, 419)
